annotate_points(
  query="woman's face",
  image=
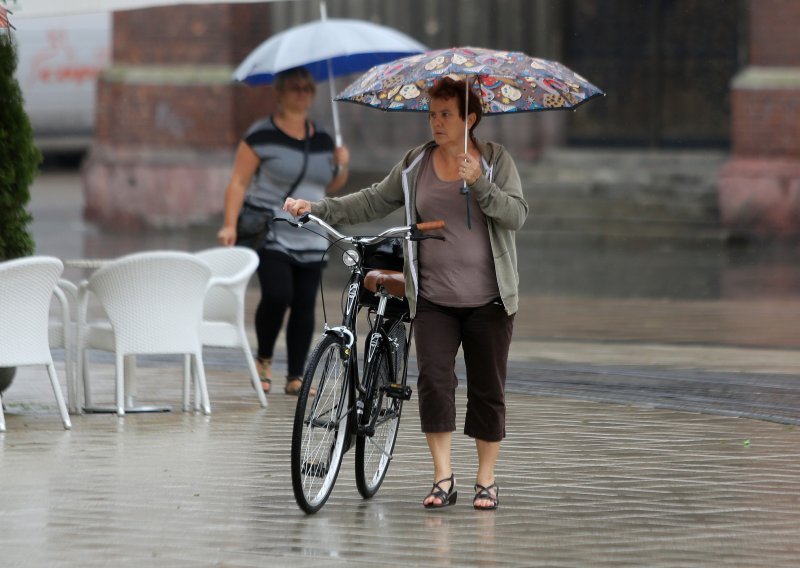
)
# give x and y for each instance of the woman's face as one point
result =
(297, 94)
(447, 127)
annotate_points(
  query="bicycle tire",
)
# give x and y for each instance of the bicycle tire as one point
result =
(374, 453)
(320, 425)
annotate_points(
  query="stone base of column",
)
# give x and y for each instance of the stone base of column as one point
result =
(134, 188)
(759, 188)
(759, 198)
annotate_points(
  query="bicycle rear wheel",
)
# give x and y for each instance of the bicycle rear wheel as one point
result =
(320, 425)
(374, 452)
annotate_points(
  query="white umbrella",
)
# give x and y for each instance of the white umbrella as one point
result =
(327, 48)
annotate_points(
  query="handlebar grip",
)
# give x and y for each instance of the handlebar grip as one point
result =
(430, 225)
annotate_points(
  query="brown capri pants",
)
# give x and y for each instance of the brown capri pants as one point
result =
(485, 333)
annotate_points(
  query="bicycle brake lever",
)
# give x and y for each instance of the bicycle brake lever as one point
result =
(424, 237)
(301, 220)
(289, 221)
(417, 235)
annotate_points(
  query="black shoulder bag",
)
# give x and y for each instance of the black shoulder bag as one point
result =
(254, 222)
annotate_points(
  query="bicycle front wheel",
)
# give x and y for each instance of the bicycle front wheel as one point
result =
(374, 447)
(320, 425)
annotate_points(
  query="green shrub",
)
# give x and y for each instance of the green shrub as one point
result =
(19, 158)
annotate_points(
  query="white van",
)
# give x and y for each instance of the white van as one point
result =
(60, 58)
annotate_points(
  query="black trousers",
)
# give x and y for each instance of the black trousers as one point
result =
(286, 285)
(485, 335)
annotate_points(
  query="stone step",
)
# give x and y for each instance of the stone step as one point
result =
(640, 206)
(625, 238)
(637, 196)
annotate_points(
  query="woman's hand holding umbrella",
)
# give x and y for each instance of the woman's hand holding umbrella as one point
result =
(470, 170)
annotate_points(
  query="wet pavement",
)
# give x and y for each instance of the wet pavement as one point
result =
(654, 394)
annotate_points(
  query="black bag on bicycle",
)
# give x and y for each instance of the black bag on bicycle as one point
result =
(385, 255)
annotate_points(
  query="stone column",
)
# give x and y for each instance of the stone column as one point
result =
(168, 118)
(759, 188)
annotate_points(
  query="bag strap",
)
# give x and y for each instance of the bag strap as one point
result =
(305, 163)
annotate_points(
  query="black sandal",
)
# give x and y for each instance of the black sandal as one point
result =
(485, 493)
(447, 498)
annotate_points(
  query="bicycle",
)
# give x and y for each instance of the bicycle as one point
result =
(337, 405)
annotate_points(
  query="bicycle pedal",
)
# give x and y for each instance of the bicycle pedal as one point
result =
(396, 390)
(315, 469)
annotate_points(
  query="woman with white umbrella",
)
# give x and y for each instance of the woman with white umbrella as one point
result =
(280, 156)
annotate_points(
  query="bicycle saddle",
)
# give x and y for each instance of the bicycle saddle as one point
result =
(390, 280)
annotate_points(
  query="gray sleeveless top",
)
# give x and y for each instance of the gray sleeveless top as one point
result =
(281, 161)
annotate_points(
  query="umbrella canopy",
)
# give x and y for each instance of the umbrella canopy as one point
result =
(505, 81)
(327, 48)
(349, 45)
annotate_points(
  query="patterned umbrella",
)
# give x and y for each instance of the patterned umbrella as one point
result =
(504, 81)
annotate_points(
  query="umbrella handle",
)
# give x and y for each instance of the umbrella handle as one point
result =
(323, 14)
(465, 193)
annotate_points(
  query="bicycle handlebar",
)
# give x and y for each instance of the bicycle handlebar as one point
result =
(413, 230)
(430, 225)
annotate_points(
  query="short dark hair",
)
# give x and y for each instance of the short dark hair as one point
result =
(447, 88)
(283, 77)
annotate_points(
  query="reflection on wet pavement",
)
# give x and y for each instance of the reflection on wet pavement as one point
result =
(583, 482)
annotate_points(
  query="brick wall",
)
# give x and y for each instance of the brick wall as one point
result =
(766, 123)
(206, 34)
(199, 116)
(774, 26)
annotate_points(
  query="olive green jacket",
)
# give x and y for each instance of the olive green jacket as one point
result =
(498, 192)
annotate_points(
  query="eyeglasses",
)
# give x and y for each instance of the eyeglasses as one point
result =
(301, 89)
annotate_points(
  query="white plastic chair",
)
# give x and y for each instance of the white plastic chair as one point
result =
(62, 334)
(223, 312)
(154, 302)
(26, 290)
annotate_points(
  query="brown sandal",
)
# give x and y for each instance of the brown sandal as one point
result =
(264, 368)
(297, 383)
(296, 386)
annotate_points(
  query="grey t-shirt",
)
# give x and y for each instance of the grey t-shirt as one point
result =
(281, 162)
(459, 271)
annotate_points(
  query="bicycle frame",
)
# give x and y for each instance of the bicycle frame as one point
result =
(347, 332)
(348, 404)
